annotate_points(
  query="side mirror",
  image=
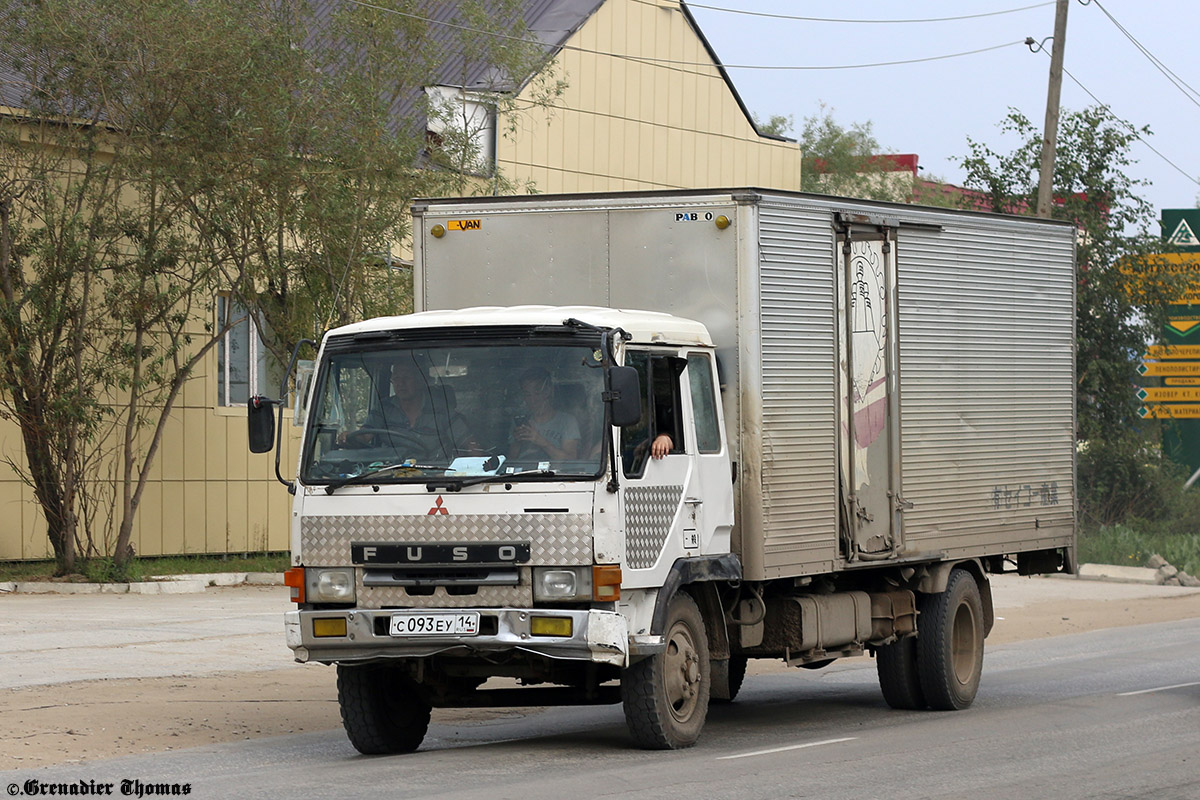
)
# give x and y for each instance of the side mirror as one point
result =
(260, 418)
(626, 397)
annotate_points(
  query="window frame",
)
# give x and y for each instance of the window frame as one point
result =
(227, 305)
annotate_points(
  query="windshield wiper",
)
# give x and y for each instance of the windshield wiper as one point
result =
(458, 484)
(362, 476)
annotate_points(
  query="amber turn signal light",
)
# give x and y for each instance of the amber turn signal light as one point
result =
(606, 582)
(294, 578)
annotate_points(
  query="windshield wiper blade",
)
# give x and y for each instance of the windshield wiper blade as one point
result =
(458, 484)
(362, 476)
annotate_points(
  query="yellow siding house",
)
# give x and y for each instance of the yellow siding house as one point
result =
(647, 106)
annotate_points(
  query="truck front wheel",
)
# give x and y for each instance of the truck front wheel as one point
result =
(383, 710)
(666, 695)
(950, 643)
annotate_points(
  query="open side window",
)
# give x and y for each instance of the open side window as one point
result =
(662, 409)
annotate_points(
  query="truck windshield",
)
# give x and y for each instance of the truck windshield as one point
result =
(468, 410)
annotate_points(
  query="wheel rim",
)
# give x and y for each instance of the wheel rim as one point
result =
(681, 672)
(965, 650)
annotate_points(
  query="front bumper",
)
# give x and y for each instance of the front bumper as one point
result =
(597, 636)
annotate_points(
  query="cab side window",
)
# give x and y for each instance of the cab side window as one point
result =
(704, 403)
(661, 409)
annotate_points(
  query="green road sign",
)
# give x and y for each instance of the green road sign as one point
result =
(1181, 228)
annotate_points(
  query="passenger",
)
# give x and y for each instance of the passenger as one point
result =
(547, 433)
(588, 416)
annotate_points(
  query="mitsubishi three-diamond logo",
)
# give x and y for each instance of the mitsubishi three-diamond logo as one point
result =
(438, 508)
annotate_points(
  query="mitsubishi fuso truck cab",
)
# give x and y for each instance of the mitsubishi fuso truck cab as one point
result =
(500, 492)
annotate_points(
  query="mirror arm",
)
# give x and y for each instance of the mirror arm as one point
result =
(291, 485)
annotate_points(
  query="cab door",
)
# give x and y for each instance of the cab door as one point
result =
(708, 499)
(660, 525)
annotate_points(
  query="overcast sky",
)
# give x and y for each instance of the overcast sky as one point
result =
(930, 108)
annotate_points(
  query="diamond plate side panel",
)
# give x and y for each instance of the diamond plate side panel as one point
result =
(649, 511)
(562, 539)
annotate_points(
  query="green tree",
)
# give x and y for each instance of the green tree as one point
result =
(847, 161)
(1094, 190)
(776, 125)
(193, 148)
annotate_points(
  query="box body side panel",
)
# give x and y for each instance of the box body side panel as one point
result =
(797, 363)
(985, 374)
(987, 388)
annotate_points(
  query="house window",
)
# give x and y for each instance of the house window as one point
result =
(461, 129)
(242, 358)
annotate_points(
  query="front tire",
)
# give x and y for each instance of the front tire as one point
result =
(383, 710)
(950, 643)
(666, 695)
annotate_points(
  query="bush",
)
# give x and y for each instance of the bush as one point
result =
(1124, 479)
(1132, 545)
(1132, 504)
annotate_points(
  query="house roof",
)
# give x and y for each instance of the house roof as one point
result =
(551, 23)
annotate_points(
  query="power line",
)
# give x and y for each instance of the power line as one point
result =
(865, 21)
(1188, 92)
(881, 63)
(668, 62)
(1108, 109)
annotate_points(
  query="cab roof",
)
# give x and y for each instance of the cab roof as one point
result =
(646, 327)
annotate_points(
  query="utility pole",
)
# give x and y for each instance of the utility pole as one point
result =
(1050, 131)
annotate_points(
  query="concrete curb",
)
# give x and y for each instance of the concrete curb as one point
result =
(160, 584)
(1117, 574)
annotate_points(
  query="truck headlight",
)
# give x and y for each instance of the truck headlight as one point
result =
(562, 583)
(330, 585)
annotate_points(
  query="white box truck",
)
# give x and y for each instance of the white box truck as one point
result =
(629, 441)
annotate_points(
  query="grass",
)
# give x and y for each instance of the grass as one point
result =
(1131, 544)
(104, 571)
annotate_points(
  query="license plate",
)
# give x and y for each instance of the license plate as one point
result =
(435, 623)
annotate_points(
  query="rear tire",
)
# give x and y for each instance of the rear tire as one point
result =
(950, 643)
(899, 679)
(666, 695)
(383, 710)
(735, 674)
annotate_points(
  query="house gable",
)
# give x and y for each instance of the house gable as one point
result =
(647, 106)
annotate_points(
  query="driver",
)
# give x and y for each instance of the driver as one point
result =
(415, 416)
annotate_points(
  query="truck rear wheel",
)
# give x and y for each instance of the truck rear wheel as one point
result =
(950, 643)
(383, 710)
(896, 664)
(666, 695)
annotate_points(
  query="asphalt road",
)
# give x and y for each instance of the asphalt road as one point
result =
(1106, 714)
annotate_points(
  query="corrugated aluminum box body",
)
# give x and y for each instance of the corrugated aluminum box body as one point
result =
(983, 360)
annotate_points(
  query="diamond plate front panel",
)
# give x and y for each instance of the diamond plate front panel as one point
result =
(560, 539)
(649, 511)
